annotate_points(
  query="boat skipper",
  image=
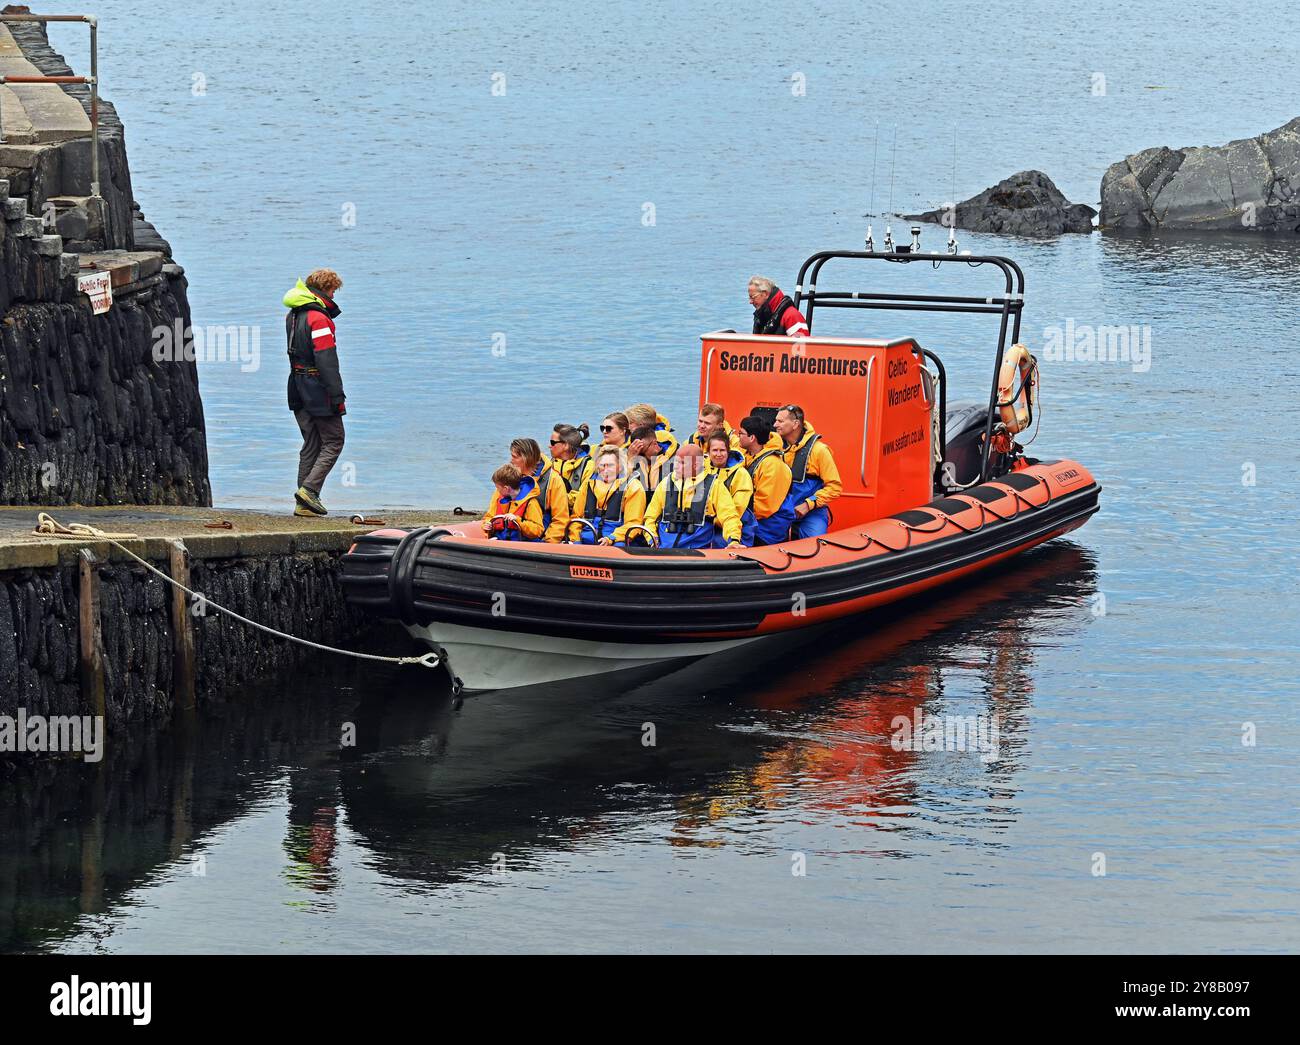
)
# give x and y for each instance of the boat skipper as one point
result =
(315, 384)
(610, 500)
(729, 465)
(691, 505)
(815, 481)
(649, 458)
(773, 502)
(712, 416)
(526, 455)
(774, 313)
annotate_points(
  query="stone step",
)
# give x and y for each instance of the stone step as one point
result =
(22, 155)
(14, 121)
(124, 266)
(76, 217)
(35, 113)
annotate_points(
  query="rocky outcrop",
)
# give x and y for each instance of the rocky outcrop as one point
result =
(1025, 204)
(1250, 185)
(88, 413)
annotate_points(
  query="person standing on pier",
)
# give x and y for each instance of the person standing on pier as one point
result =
(315, 385)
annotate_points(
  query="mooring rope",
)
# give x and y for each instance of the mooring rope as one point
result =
(48, 526)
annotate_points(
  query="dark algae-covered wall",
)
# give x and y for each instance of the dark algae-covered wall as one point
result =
(87, 414)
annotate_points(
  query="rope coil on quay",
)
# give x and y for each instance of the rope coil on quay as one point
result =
(48, 526)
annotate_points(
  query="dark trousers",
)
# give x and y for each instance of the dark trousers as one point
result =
(322, 442)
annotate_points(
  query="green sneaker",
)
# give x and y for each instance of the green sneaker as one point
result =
(309, 501)
(300, 510)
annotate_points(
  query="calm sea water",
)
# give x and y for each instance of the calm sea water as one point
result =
(1126, 664)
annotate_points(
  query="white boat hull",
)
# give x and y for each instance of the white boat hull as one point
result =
(485, 659)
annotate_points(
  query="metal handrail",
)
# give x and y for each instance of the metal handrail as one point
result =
(1008, 306)
(92, 80)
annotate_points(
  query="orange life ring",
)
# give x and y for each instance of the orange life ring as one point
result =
(1018, 366)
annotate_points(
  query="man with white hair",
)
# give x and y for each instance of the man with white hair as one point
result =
(774, 313)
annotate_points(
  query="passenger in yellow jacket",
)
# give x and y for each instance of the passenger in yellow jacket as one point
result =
(692, 504)
(640, 414)
(571, 457)
(647, 459)
(713, 417)
(729, 465)
(526, 455)
(611, 501)
(773, 503)
(514, 513)
(815, 479)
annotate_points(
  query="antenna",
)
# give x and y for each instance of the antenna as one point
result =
(892, 159)
(954, 163)
(952, 229)
(871, 208)
(889, 233)
(875, 151)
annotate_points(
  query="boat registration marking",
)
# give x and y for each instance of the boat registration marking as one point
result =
(591, 573)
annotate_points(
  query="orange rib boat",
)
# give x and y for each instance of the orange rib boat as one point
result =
(931, 492)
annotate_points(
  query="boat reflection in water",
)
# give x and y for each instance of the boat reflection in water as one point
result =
(435, 791)
(810, 727)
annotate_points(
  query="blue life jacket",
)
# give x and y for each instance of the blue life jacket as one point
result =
(805, 486)
(776, 527)
(502, 532)
(607, 519)
(748, 522)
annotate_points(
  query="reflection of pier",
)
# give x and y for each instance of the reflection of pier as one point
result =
(436, 794)
(77, 837)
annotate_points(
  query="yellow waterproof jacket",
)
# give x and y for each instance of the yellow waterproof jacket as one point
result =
(527, 507)
(821, 464)
(633, 506)
(555, 501)
(668, 441)
(738, 482)
(772, 478)
(573, 473)
(720, 507)
(653, 470)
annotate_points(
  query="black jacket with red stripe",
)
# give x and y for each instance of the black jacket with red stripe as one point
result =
(777, 315)
(315, 383)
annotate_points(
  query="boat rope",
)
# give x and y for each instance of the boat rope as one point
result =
(942, 518)
(48, 526)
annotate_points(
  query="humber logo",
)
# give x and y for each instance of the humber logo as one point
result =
(1066, 476)
(591, 573)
